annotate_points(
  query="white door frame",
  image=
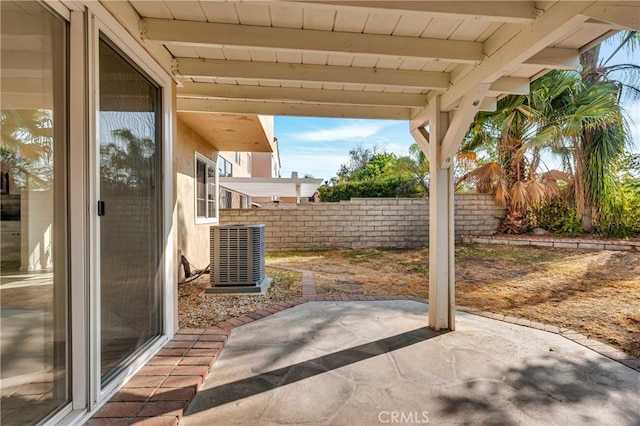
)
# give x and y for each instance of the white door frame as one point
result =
(87, 20)
(100, 21)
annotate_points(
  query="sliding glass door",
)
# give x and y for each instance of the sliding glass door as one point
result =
(129, 209)
(34, 280)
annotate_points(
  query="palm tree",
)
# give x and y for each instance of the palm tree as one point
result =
(597, 148)
(416, 165)
(575, 116)
(551, 118)
(516, 131)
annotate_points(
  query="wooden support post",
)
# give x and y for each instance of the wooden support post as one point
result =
(441, 226)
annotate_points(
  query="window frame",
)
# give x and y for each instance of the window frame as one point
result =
(213, 164)
(225, 197)
(225, 166)
(244, 201)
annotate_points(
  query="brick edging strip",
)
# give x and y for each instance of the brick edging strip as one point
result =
(572, 243)
(161, 391)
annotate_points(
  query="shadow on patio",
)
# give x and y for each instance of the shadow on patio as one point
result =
(357, 363)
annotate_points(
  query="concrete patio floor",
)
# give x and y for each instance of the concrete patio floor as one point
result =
(367, 363)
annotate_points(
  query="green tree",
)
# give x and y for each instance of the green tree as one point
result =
(379, 164)
(370, 174)
(626, 223)
(598, 147)
(359, 157)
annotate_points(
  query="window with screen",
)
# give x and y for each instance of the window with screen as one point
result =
(206, 190)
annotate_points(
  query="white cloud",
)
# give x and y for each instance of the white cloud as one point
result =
(323, 166)
(351, 130)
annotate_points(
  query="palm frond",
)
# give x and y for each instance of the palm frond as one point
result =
(519, 197)
(550, 181)
(556, 175)
(537, 193)
(502, 196)
(485, 177)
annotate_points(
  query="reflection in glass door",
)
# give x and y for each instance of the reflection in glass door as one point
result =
(129, 209)
(34, 379)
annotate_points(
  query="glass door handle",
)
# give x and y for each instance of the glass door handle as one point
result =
(100, 208)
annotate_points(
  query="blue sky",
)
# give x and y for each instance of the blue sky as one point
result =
(318, 146)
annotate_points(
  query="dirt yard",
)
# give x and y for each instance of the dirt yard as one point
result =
(596, 293)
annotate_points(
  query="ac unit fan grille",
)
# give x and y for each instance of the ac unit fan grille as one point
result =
(237, 254)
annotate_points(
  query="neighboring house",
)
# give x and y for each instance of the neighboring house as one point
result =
(240, 165)
(114, 114)
(266, 187)
(266, 164)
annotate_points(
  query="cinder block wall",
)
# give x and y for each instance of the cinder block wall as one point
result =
(364, 222)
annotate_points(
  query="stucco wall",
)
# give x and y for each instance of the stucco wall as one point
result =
(239, 169)
(192, 239)
(261, 164)
(359, 223)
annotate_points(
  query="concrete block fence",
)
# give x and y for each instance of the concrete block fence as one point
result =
(364, 222)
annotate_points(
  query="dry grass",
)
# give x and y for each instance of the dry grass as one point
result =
(594, 292)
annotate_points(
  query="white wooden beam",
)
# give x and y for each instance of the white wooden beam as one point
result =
(459, 126)
(510, 86)
(502, 86)
(272, 38)
(622, 14)
(517, 12)
(291, 109)
(548, 58)
(489, 104)
(593, 43)
(555, 57)
(421, 136)
(419, 118)
(210, 68)
(126, 15)
(426, 80)
(287, 94)
(558, 21)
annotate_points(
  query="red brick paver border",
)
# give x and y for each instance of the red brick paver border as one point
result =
(161, 391)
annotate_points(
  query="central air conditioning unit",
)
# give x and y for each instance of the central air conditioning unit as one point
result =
(237, 259)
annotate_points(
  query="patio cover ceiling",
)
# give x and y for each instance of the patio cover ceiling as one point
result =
(272, 187)
(363, 59)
